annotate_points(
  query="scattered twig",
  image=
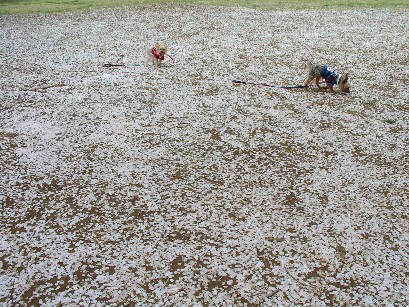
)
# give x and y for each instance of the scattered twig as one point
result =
(50, 86)
(297, 280)
(273, 293)
(43, 89)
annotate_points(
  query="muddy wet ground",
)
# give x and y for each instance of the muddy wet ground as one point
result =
(173, 187)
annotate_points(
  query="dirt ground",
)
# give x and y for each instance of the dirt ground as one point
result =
(140, 186)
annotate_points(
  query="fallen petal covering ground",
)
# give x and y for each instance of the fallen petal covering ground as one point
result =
(173, 187)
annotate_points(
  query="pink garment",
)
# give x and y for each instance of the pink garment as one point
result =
(156, 55)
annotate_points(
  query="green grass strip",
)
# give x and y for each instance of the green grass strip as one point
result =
(57, 6)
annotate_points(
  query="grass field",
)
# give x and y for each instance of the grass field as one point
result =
(49, 6)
